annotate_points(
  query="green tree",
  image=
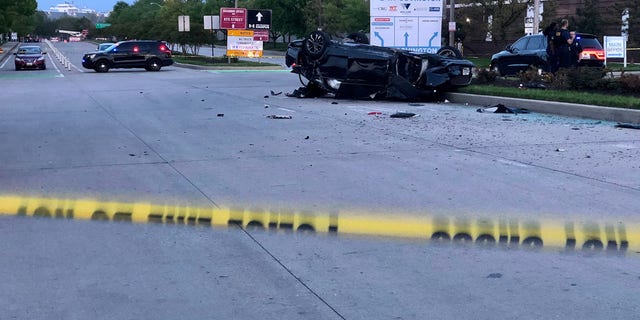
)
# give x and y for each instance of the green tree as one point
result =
(588, 18)
(17, 15)
(499, 20)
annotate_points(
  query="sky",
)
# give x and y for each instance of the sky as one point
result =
(98, 5)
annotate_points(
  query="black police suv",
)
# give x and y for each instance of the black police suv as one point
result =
(149, 54)
(532, 51)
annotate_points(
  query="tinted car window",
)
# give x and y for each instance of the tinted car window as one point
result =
(521, 44)
(535, 43)
(124, 47)
(590, 43)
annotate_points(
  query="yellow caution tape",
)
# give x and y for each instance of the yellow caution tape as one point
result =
(590, 236)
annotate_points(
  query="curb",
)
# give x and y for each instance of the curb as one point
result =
(551, 107)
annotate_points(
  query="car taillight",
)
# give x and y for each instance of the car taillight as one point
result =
(593, 54)
(164, 48)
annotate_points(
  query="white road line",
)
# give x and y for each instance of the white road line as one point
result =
(4, 63)
(285, 109)
(55, 66)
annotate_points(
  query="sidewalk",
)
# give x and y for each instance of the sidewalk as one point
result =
(7, 47)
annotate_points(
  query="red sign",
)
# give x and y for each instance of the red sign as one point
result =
(260, 35)
(233, 18)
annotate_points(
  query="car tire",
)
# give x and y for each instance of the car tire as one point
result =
(316, 44)
(153, 65)
(450, 52)
(495, 67)
(44, 67)
(102, 66)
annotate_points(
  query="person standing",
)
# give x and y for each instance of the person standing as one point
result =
(563, 42)
(575, 48)
(552, 54)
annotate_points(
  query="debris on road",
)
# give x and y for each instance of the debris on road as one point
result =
(404, 115)
(628, 125)
(374, 113)
(275, 116)
(500, 108)
(220, 114)
(273, 93)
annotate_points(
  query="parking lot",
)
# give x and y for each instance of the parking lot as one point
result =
(193, 138)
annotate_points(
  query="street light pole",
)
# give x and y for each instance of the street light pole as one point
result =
(536, 16)
(452, 18)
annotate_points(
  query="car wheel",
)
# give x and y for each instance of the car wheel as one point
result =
(102, 66)
(153, 65)
(495, 67)
(450, 52)
(316, 44)
(44, 67)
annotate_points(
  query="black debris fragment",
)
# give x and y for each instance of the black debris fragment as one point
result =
(535, 85)
(273, 93)
(628, 125)
(494, 276)
(310, 91)
(220, 114)
(404, 115)
(500, 108)
(306, 138)
(275, 116)
(266, 97)
(334, 102)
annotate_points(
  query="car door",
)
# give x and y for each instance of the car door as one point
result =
(122, 55)
(514, 59)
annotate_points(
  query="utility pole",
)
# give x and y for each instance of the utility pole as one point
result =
(536, 16)
(452, 21)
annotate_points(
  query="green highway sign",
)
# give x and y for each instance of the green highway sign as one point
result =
(102, 25)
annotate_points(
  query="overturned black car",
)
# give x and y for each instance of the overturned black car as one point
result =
(351, 68)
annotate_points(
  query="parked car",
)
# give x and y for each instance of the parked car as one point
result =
(531, 51)
(149, 54)
(351, 68)
(104, 46)
(30, 57)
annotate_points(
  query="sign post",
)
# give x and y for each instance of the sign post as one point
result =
(212, 23)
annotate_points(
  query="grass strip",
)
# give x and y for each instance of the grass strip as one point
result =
(598, 99)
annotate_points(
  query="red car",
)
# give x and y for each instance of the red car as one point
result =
(30, 57)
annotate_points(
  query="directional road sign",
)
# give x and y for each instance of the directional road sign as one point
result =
(259, 19)
(233, 18)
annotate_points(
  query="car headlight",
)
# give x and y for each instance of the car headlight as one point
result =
(41, 59)
(18, 59)
(91, 56)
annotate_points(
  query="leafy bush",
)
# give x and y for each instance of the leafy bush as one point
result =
(583, 78)
(485, 75)
(629, 83)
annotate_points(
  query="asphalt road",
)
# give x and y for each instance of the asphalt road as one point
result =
(202, 138)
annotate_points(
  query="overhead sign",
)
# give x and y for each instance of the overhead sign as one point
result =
(240, 43)
(258, 19)
(102, 25)
(233, 18)
(413, 25)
